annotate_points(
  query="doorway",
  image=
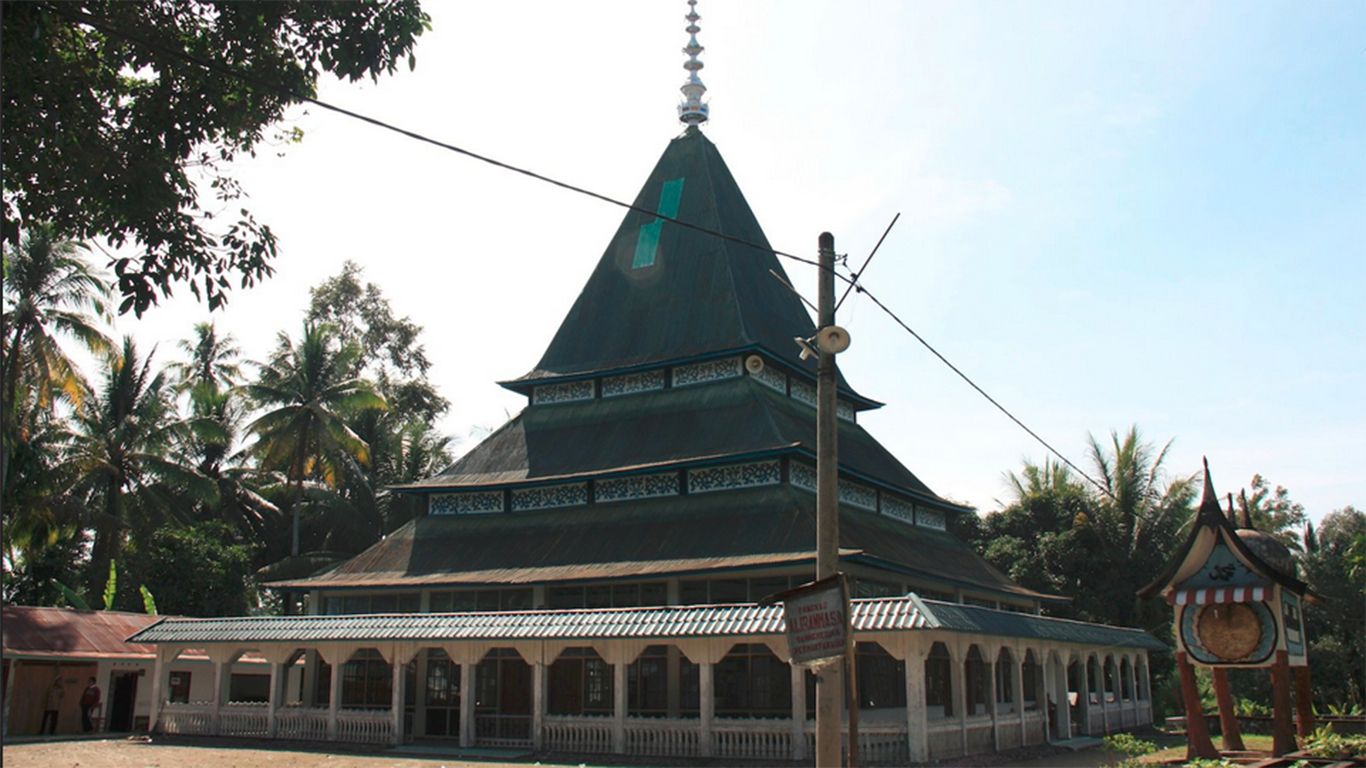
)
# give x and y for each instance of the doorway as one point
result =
(123, 693)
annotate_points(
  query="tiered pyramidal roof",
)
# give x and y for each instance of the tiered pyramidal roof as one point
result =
(671, 429)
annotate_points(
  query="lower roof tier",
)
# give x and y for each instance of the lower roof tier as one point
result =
(745, 528)
(673, 427)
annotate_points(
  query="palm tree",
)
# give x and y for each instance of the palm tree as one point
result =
(120, 458)
(211, 360)
(309, 392)
(210, 373)
(49, 290)
(1141, 514)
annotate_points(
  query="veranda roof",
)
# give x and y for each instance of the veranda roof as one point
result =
(907, 613)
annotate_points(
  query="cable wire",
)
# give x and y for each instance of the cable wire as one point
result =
(853, 282)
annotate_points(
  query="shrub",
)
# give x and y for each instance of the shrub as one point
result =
(1325, 742)
(1128, 744)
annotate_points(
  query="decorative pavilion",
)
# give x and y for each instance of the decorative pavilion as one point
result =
(586, 578)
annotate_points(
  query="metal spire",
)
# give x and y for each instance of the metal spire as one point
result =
(692, 111)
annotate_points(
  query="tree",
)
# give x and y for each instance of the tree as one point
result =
(308, 390)
(120, 462)
(209, 374)
(1335, 570)
(197, 570)
(50, 291)
(1138, 521)
(1272, 512)
(117, 114)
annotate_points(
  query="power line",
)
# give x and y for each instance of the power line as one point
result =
(853, 282)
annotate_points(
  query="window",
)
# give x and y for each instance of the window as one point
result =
(180, 687)
(1125, 672)
(608, 596)
(480, 600)
(1109, 678)
(580, 684)
(873, 588)
(938, 686)
(1142, 675)
(1093, 679)
(387, 602)
(975, 682)
(716, 591)
(752, 682)
(366, 681)
(881, 678)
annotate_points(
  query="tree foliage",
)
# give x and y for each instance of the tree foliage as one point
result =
(114, 130)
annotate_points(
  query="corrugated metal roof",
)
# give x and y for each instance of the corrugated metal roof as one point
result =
(64, 632)
(971, 618)
(869, 615)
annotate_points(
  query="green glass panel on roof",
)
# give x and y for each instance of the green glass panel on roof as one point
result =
(647, 243)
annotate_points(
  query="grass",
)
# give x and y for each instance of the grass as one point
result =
(1252, 742)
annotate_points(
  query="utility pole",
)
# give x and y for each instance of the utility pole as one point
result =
(830, 678)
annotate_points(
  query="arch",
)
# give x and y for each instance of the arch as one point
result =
(1141, 675)
(881, 678)
(751, 681)
(938, 682)
(580, 683)
(1005, 681)
(976, 682)
(1126, 670)
(1031, 681)
(1108, 675)
(1093, 679)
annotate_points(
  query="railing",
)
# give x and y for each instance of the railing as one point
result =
(756, 738)
(244, 719)
(979, 735)
(365, 726)
(502, 730)
(581, 734)
(187, 719)
(882, 744)
(945, 738)
(302, 723)
(661, 737)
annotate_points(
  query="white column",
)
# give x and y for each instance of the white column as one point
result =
(220, 667)
(1018, 659)
(538, 673)
(993, 654)
(958, 686)
(467, 703)
(798, 711)
(396, 695)
(273, 703)
(917, 717)
(161, 670)
(334, 696)
(1062, 712)
(707, 706)
(619, 706)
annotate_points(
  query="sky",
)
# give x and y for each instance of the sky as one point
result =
(1112, 214)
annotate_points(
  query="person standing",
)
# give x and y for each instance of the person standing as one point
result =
(53, 706)
(90, 705)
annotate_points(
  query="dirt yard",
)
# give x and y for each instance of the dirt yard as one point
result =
(142, 754)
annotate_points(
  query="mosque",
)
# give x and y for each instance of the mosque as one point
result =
(587, 579)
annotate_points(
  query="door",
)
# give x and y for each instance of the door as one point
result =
(122, 695)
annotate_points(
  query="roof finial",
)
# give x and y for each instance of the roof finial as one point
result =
(692, 111)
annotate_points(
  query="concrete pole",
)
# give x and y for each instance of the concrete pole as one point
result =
(538, 705)
(798, 678)
(396, 705)
(220, 667)
(619, 705)
(830, 679)
(277, 675)
(467, 668)
(706, 707)
(334, 695)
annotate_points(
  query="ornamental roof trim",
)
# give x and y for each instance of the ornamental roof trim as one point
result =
(894, 614)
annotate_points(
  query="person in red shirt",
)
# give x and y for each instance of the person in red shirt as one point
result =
(90, 705)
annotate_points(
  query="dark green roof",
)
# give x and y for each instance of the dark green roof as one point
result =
(755, 527)
(987, 621)
(701, 296)
(736, 418)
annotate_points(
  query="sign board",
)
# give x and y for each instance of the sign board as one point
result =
(817, 618)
